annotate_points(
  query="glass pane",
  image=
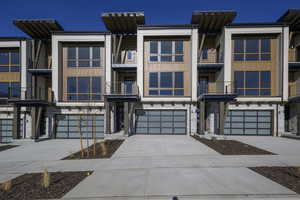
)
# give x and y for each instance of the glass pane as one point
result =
(252, 46)
(153, 58)
(71, 63)
(265, 56)
(178, 92)
(166, 80)
(252, 92)
(240, 91)
(166, 58)
(166, 47)
(178, 79)
(252, 79)
(179, 47)
(83, 85)
(238, 46)
(129, 55)
(96, 52)
(204, 54)
(238, 57)
(83, 96)
(4, 58)
(178, 58)
(71, 84)
(96, 63)
(4, 89)
(96, 97)
(71, 52)
(265, 79)
(165, 92)
(265, 45)
(252, 56)
(154, 47)
(265, 92)
(83, 52)
(4, 69)
(15, 68)
(84, 64)
(15, 89)
(96, 84)
(153, 80)
(239, 79)
(15, 58)
(153, 92)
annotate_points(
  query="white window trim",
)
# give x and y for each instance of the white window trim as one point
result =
(159, 54)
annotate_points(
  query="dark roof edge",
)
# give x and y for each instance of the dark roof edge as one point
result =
(291, 10)
(198, 12)
(54, 21)
(167, 26)
(4, 38)
(257, 24)
(81, 33)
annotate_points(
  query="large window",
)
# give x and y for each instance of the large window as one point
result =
(166, 51)
(253, 83)
(9, 61)
(84, 88)
(252, 49)
(83, 56)
(10, 89)
(166, 83)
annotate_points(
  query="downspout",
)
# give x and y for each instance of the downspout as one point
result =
(282, 78)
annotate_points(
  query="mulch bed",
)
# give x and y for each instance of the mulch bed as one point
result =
(232, 147)
(286, 176)
(111, 147)
(5, 147)
(28, 186)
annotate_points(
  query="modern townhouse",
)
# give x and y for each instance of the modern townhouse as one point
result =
(211, 76)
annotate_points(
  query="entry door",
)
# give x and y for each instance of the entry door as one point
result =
(203, 85)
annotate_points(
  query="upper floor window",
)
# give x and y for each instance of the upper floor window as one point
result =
(166, 51)
(9, 61)
(130, 55)
(253, 83)
(252, 49)
(204, 54)
(166, 83)
(10, 89)
(83, 56)
(84, 88)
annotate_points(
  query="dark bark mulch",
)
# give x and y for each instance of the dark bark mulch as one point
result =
(232, 147)
(286, 176)
(5, 147)
(111, 148)
(28, 186)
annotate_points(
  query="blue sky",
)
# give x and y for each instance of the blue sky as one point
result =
(85, 14)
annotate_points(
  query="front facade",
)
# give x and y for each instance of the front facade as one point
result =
(211, 76)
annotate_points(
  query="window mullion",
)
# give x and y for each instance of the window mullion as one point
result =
(173, 51)
(91, 56)
(77, 56)
(158, 51)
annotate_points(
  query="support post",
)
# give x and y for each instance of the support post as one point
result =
(222, 117)
(202, 117)
(298, 118)
(33, 123)
(126, 118)
(16, 122)
(107, 118)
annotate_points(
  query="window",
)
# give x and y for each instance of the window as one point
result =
(130, 55)
(253, 83)
(84, 56)
(166, 51)
(166, 83)
(10, 89)
(84, 88)
(204, 53)
(252, 49)
(9, 61)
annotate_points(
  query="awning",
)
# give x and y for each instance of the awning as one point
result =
(38, 28)
(292, 17)
(123, 22)
(212, 21)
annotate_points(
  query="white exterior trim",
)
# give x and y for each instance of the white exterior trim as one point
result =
(4, 44)
(167, 99)
(194, 59)
(259, 99)
(74, 104)
(166, 32)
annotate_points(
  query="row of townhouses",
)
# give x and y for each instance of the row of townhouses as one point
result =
(211, 76)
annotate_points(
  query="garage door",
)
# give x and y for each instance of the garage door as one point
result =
(246, 122)
(68, 126)
(161, 122)
(6, 130)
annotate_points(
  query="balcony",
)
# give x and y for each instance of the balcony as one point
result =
(28, 96)
(123, 91)
(210, 62)
(125, 61)
(216, 91)
(294, 91)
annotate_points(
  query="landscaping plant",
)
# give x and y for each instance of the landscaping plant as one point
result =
(46, 179)
(6, 186)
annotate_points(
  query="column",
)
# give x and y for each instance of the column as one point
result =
(222, 117)
(202, 117)
(126, 118)
(107, 118)
(16, 122)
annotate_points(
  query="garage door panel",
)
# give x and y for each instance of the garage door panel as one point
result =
(248, 122)
(161, 122)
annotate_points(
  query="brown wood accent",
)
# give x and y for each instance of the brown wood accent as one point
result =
(184, 66)
(211, 80)
(81, 71)
(292, 54)
(10, 77)
(209, 44)
(262, 65)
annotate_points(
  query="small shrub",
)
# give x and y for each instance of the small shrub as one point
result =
(7, 185)
(46, 179)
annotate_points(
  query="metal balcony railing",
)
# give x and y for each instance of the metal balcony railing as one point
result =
(122, 88)
(218, 87)
(27, 93)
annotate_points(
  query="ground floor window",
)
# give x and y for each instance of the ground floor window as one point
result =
(84, 88)
(166, 83)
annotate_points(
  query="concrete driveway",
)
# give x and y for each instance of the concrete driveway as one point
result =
(162, 145)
